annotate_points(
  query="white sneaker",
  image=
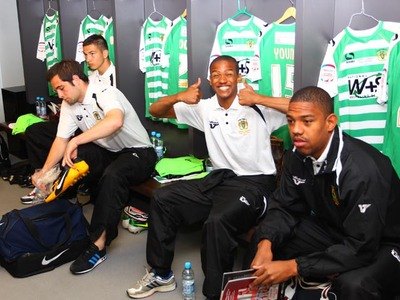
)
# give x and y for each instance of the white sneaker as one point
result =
(151, 283)
(30, 198)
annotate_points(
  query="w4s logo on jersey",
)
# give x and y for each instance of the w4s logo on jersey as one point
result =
(364, 87)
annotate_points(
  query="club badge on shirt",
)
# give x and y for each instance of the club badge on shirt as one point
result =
(243, 126)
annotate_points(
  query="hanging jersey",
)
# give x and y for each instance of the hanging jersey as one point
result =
(89, 26)
(276, 52)
(152, 39)
(392, 128)
(351, 73)
(49, 45)
(239, 39)
(175, 61)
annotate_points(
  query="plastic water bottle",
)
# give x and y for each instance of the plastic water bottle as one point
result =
(159, 146)
(38, 110)
(43, 108)
(153, 138)
(188, 290)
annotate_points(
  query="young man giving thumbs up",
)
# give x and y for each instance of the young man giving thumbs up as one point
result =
(229, 200)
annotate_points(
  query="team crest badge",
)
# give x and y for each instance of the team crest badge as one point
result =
(250, 43)
(381, 54)
(243, 126)
(96, 115)
(335, 198)
(79, 117)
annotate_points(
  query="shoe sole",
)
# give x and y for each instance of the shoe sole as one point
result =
(136, 230)
(94, 266)
(162, 289)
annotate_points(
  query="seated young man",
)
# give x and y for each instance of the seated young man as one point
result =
(113, 143)
(231, 198)
(40, 136)
(335, 216)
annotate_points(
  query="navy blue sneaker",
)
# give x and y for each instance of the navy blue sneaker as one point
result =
(88, 260)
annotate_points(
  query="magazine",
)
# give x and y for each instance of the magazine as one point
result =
(235, 286)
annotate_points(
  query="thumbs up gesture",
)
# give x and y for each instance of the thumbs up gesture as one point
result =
(193, 94)
(247, 95)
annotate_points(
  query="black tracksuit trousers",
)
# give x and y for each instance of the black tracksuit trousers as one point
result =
(229, 205)
(379, 280)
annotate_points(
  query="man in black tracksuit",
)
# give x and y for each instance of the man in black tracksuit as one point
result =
(336, 214)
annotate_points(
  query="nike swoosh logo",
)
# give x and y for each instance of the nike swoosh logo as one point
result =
(61, 182)
(45, 262)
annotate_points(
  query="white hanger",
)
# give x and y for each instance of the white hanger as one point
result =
(49, 9)
(155, 12)
(362, 13)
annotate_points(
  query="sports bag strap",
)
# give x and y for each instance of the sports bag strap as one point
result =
(35, 234)
(257, 109)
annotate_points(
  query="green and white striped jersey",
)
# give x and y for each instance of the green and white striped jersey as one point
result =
(89, 26)
(49, 45)
(152, 39)
(239, 39)
(351, 72)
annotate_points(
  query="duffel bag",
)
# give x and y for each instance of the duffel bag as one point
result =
(40, 238)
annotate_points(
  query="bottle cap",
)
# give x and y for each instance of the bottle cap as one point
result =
(188, 265)
(158, 134)
(153, 133)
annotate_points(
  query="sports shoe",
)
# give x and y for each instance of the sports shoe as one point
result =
(131, 212)
(29, 199)
(88, 260)
(151, 283)
(67, 178)
(137, 226)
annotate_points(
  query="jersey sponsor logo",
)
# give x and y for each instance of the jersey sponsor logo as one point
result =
(364, 87)
(244, 66)
(395, 254)
(328, 72)
(363, 207)
(244, 200)
(298, 180)
(156, 57)
(213, 124)
(79, 117)
(243, 126)
(382, 54)
(46, 261)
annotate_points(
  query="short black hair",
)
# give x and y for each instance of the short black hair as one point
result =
(96, 39)
(226, 58)
(314, 95)
(65, 69)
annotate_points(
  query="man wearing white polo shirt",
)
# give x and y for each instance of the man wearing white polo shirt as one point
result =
(232, 198)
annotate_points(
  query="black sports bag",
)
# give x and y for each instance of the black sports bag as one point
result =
(40, 238)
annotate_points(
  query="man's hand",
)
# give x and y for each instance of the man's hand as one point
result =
(192, 95)
(247, 95)
(273, 272)
(71, 152)
(36, 179)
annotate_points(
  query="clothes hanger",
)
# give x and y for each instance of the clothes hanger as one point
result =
(241, 11)
(50, 9)
(155, 12)
(362, 13)
(95, 11)
(184, 13)
(290, 12)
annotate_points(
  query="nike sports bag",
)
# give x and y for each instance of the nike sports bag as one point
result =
(40, 238)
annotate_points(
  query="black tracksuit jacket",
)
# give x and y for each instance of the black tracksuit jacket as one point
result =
(355, 197)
